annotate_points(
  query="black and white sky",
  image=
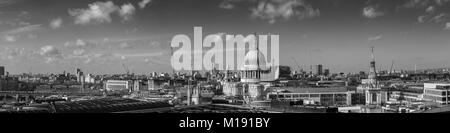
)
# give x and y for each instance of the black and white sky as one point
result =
(98, 36)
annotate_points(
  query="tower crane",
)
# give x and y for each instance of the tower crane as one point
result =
(298, 65)
(126, 69)
(392, 66)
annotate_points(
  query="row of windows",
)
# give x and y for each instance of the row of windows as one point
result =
(247, 74)
(435, 98)
(435, 92)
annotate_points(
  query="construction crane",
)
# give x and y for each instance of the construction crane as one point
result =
(171, 54)
(295, 61)
(392, 66)
(126, 69)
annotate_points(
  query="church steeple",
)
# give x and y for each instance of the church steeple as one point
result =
(372, 69)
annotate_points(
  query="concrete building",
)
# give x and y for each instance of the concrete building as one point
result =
(89, 78)
(118, 85)
(319, 69)
(333, 96)
(2, 71)
(326, 72)
(232, 89)
(155, 83)
(140, 85)
(80, 76)
(437, 93)
(9, 84)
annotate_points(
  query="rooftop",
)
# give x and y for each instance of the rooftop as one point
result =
(313, 89)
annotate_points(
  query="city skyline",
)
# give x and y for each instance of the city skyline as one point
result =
(98, 36)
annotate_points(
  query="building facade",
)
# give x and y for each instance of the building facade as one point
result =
(371, 87)
(338, 96)
(118, 85)
(2, 71)
(437, 93)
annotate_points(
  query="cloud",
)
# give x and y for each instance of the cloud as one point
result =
(447, 26)
(434, 11)
(23, 29)
(127, 11)
(143, 3)
(7, 2)
(226, 5)
(139, 55)
(273, 10)
(134, 30)
(99, 12)
(420, 4)
(435, 18)
(56, 23)
(49, 50)
(32, 36)
(430, 9)
(10, 38)
(439, 18)
(78, 52)
(374, 38)
(371, 12)
(125, 45)
(14, 34)
(80, 43)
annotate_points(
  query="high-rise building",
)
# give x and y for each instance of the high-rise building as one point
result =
(326, 72)
(2, 70)
(319, 69)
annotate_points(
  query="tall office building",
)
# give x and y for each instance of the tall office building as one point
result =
(326, 72)
(319, 69)
(2, 70)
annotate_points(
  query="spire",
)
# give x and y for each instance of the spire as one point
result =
(372, 56)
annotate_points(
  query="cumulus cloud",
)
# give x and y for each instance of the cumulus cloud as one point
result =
(56, 23)
(371, 12)
(447, 26)
(78, 52)
(435, 18)
(420, 4)
(126, 11)
(144, 3)
(49, 50)
(434, 11)
(80, 43)
(430, 9)
(272, 10)
(226, 5)
(99, 12)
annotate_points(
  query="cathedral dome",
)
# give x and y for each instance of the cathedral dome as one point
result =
(254, 60)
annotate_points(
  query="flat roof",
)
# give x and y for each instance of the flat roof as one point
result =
(313, 89)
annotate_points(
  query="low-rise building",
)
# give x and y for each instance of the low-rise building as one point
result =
(437, 92)
(332, 96)
(117, 85)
